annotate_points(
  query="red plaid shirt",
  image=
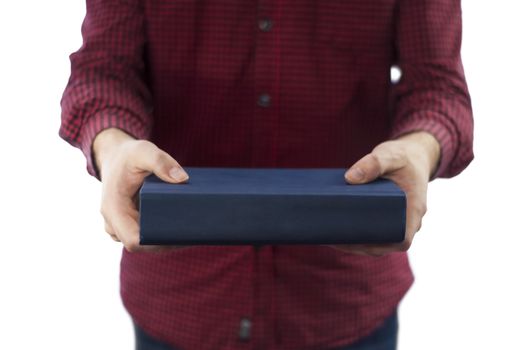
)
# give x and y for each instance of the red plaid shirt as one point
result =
(269, 83)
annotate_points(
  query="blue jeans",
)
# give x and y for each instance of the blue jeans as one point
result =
(384, 338)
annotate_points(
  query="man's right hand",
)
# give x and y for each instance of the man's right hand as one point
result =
(123, 164)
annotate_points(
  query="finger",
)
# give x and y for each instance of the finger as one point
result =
(377, 250)
(352, 250)
(416, 207)
(163, 248)
(107, 226)
(159, 162)
(124, 221)
(414, 217)
(109, 229)
(374, 249)
(356, 249)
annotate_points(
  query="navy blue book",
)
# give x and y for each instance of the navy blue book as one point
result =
(225, 206)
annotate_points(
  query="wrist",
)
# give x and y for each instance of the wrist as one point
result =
(106, 142)
(427, 145)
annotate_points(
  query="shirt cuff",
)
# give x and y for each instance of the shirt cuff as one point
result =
(108, 118)
(428, 122)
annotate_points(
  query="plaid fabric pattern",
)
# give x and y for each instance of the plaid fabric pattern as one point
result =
(269, 83)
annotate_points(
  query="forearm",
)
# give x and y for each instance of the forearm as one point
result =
(107, 86)
(432, 94)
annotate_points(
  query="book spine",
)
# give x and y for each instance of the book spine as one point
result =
(185, 219)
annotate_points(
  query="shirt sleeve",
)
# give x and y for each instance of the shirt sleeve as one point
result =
(107, 83)
(432, 93)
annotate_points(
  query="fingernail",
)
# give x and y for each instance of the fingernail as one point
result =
(356, 174)
(178, 174)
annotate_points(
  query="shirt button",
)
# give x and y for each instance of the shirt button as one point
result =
(265, 25)
(264, 100)
(245, 329)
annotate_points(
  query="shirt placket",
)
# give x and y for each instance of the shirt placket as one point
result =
(265, 154)
(267, 84)
(263, 319)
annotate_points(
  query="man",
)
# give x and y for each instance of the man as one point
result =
(236, 83)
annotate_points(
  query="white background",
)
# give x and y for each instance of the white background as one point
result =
(59, 270)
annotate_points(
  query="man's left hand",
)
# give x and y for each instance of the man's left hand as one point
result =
(409, 161)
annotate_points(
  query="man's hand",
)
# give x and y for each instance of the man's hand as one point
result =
(408, 161)
(123, 163)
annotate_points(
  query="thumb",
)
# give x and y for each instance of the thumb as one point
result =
(169, 170)
(164, 166)
(367, 169)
